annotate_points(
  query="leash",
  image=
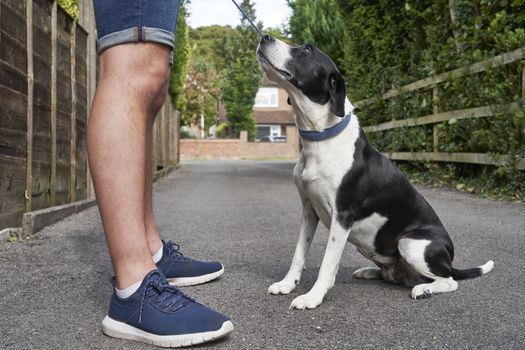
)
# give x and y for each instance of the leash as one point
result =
(249, 19)
(326, 134)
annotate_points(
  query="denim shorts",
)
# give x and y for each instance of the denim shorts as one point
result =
(126, 21)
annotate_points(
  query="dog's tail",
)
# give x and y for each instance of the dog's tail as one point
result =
(474, 272)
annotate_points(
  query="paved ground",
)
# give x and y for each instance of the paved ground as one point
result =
(55, 288)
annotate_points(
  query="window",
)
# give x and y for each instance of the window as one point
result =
(267, 97)
(265, 131)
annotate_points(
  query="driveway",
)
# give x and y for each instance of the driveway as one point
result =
(55, 287)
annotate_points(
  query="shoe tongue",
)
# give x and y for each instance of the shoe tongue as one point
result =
(154, 276)
(165, 249)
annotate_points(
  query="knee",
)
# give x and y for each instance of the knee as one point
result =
(138, 72)
(150, 86)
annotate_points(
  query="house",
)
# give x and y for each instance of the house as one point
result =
(277, 135)
(274, 117)
(271, 111)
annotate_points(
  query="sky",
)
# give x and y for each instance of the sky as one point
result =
(273, 13)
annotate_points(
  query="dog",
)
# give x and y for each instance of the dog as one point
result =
(356, 192)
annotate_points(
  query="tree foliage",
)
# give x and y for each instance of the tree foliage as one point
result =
(71, 7)
(214, 48)
(201, 93)
(209, 44)
(243, 75)
(181, 54)
(318, 22)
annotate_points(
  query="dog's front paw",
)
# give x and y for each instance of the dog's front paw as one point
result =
(309, 300)
(282, 287)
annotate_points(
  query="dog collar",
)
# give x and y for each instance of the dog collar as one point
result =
(326, 134)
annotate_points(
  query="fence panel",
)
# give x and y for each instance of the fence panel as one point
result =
(47, 84)
(13, 110)
(82, 110)
(41, 157)
(438, 117)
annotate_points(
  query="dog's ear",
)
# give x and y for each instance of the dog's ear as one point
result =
(337, 89)
(289, 102)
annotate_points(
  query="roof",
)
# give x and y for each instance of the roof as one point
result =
(274, 117)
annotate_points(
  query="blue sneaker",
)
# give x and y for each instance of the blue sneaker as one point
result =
(159, 314)
(182, 271)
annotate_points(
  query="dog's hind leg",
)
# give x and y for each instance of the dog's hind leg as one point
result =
(440, 285)
(368, 273)
(309, 221)
(430, 259)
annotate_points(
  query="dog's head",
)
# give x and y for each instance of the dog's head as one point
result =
(309, 76)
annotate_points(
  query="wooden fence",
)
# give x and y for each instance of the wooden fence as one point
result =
(47, 83)
(438, 117)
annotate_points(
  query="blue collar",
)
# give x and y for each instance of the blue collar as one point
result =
(326, 134)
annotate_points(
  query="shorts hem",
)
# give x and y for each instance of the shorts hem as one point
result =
(137, 34)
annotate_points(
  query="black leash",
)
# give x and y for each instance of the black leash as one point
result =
(249, 19)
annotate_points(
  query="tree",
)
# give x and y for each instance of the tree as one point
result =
(209, 44)
(243, 75)
(202, 92)
(181, 54)
(318, 23)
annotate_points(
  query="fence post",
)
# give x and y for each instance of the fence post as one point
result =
(177, 134)
(169, 130)
(167, 133)
(87, 21)
(523, 81)
(54, 33)
(73, 140)
(30, 92)
(162, 137)
(435, 100)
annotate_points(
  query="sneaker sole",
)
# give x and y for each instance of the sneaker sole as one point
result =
(192, 281)
(121, 330)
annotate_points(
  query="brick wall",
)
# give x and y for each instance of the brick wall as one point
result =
(240, 148)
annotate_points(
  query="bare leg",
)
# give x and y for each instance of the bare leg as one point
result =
(131, 81)
(154, 241)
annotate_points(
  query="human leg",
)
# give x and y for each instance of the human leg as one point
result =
(131, 79)
(132, 82)
(152, 233)
(135, 39)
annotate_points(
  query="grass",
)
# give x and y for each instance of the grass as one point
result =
(486, 181)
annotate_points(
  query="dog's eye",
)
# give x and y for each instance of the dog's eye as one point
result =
(307, 49)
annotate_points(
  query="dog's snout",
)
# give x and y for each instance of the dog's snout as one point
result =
(267, 39)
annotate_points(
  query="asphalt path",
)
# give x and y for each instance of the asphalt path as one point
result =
(55, 288)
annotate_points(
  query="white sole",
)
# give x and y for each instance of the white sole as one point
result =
(121, 330)
(192, 281)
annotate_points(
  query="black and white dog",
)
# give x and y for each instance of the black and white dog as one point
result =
(354, 190)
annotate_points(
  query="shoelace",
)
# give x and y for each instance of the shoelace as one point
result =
(170, 298)
(174, 251)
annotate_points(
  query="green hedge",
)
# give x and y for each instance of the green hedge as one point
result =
(389, 43)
